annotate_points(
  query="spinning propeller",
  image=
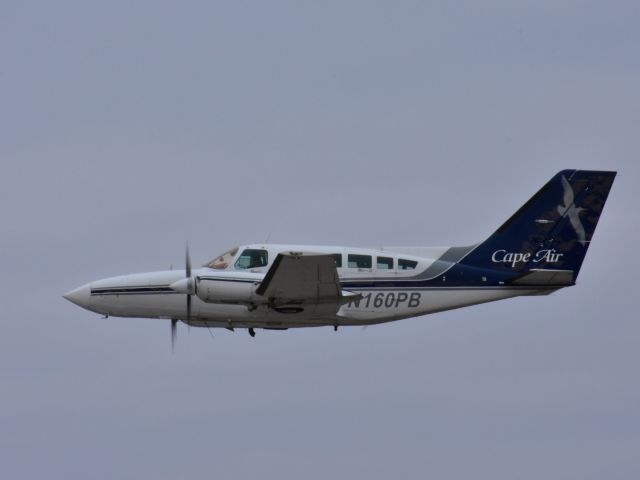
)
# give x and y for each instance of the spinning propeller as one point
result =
(187, 286)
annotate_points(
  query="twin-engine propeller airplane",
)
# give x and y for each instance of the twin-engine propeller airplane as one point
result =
(535, 252)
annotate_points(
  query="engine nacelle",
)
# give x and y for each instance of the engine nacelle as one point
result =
(229, 291)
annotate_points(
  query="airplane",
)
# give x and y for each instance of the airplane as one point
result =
(537, 251)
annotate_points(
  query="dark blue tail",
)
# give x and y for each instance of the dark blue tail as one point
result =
(549, 233)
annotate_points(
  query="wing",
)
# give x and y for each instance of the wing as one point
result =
(302, 277)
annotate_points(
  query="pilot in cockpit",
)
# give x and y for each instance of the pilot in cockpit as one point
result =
(223, 261)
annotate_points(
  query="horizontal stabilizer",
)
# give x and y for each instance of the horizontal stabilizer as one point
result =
(542, 277)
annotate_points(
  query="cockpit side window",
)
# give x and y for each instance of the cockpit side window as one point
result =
(252, 258)
(223, 261)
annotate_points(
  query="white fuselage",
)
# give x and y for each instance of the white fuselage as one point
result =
(385, 290)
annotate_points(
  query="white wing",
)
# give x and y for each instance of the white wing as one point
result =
(302, 277)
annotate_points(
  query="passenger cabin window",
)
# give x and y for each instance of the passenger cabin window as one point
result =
(252, 258)
(337, 257)
(407, 264)
(384, 263)
(359, 261)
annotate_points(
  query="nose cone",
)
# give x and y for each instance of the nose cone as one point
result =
(80, 296)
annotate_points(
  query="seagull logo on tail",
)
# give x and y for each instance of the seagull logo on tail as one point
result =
(570, 210)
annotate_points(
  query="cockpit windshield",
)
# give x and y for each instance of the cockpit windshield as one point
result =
(223, 261)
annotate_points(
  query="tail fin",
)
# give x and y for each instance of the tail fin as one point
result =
(549, 233)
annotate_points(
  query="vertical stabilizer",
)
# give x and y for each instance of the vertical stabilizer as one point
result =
(552, 231)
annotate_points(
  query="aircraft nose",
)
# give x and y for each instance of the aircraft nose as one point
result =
(80, 296)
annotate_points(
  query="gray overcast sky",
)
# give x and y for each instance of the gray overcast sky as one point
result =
(127, 128)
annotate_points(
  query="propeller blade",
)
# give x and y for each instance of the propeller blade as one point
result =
(174, 333)
(187, 287)
(187, 262)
